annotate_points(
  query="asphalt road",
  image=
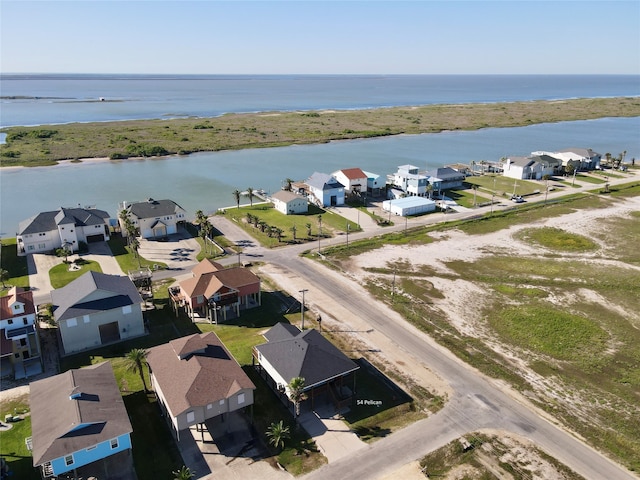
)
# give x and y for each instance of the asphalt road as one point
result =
(477, 402)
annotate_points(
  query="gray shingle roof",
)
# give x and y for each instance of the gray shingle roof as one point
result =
(48, 221)
(446, 174)
(154, 208)
(323, 181)
(68, 300)
(56, 418)
(307, 354)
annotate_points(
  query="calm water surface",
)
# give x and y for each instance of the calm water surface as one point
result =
(205, 180)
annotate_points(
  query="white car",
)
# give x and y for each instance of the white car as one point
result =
(517, 199)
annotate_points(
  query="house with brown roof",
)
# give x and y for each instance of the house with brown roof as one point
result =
(291, 353)
(195, 378)
(215, 292)
(79, 424)
(20, 355)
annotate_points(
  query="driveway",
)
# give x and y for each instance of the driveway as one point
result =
(38, 266)
(178, 251)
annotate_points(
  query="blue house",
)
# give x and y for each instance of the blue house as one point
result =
(325, 189)
(79, 424)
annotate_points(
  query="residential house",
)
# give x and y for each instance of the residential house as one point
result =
(533, 167)
(291, 353)
(195, 378)
(580, 158)
(289, 203)
(375, 184)
(410, 181)
(48, 231)
(448, 178)
(214, 291)
(154, 218)
(97, 309)
(407, 206)
(353, 179)
(20, 354)
(327, 191)
(80, 425)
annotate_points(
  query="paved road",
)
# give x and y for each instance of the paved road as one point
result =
(477, 402)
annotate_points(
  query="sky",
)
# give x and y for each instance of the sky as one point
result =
(326, 37)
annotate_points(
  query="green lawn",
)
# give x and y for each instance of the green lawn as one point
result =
(502, 185)
(12, 445)
(127, 259)
(15, 265)
(60, 275)
(557, 239)
(332, 223)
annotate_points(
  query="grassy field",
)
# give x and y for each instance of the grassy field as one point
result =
(31, 146)
(561, 312)
(308, 227)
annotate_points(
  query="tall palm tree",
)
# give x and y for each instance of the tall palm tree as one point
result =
(308, 225)
(293, 231)
(205, 228)
(250, 195)
(134, 363)
(288, 183)
(278, 433)
(134, 244)
(296, 392)
(185, 473)
(236, 194)
(4, 276)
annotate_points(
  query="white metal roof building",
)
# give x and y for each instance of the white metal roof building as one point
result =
(409, 206)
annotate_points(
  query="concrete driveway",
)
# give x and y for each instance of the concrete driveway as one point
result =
(178, 251)
(38, 266)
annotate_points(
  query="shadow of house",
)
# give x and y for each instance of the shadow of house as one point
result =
(291, 353)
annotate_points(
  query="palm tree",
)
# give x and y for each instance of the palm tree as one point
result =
(319, 225)
(185, 473)
(296, 392)
(308, 225)
(293, 231)
(134, 244)
(236, 194)
(205, 228)
(288, 183)
(429, 189)
(4, 276)
(134, 363)
(250, 195)
(278, 433)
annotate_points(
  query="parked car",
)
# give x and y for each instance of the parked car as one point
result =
(517, 199)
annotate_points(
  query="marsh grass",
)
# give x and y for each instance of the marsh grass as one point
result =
(31, 146)
(557, 240)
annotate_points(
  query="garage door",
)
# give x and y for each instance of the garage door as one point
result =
(95, 238)
(109, 333)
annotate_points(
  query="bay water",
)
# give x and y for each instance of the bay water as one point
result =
(206, 180)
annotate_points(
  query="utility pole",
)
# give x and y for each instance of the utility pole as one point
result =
(302, 307)
(348, 227)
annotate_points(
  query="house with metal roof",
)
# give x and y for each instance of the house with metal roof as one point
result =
(97, 309)
(407, 206)
(20, 353)
(289, 203)
(325, 189)
(154, 218)
(195, 379)
(80, 426)
(48, 231)
(448, 178)
(290, 353)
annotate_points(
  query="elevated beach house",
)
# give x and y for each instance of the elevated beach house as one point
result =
(154, 218)
(410, 181)
(97, 309)
(195, 378)
(215, 292)
(291, 353)
(353, 179)
(48, 231)
(325, 190)
(579, 158)
(80, 425)
(20, 354)
(533, 167)
(447, 177)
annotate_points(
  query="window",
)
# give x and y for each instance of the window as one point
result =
(72, 322)
(42, 246)
(25, 321)
(68, 460)
(191, 417)
(240, 398)
(23, 342)
(86, 318)
(222, 402)
(114, 443)
(209, 406)
(17, 307)
(10, 321)
(31, 247)
(126, 309)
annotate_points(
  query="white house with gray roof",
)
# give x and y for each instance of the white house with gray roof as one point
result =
(48, 231)
(289, 203)
(97, 309)
(327, 191)
(154, 218)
